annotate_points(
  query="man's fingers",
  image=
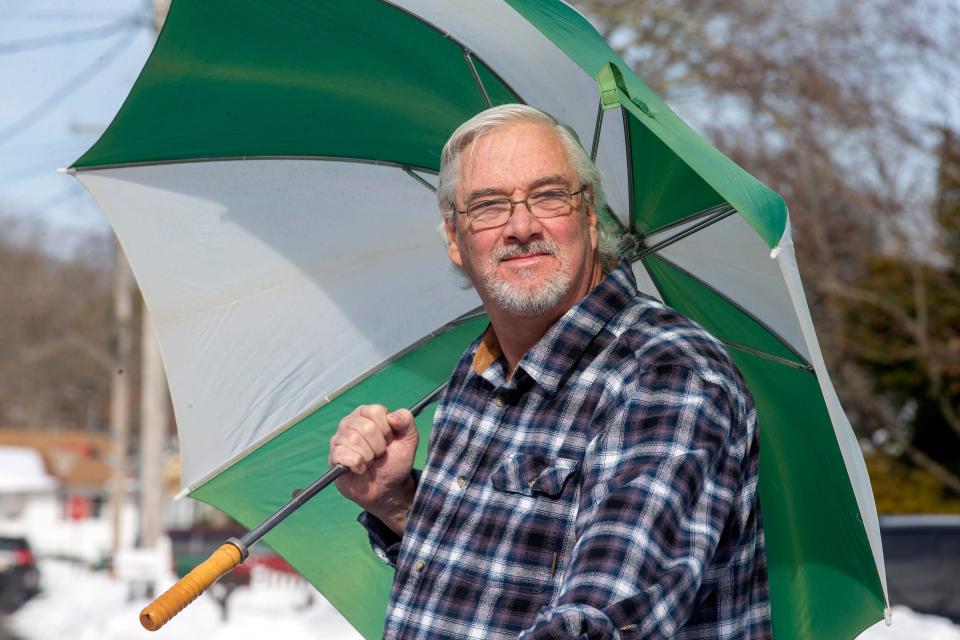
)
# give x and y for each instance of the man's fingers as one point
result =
(356, 441)
(348, 458)
(365, 434)
(372, 434)
(351, 439)
(400, 421)
(376, 414)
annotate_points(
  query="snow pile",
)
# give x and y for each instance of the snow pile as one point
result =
(22, 471)
(79, 604)
(909, 625)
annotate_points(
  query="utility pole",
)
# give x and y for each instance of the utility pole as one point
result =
(154, 413)
(120, 390)
(154, 417)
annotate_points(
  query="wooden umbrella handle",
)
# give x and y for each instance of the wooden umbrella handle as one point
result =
(185, 591)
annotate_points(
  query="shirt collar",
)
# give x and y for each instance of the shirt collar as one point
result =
(487, 352)
(560, 348)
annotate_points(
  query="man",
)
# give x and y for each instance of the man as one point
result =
(592, 468)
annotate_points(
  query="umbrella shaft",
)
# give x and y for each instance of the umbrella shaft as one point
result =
(318, 485)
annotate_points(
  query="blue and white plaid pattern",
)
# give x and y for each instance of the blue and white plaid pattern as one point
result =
(607, 490)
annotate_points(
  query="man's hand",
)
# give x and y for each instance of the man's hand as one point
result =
(378, 449)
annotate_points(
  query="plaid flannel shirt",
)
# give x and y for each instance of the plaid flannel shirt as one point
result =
(608, 489)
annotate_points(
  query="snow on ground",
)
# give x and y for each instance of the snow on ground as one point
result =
(79, 604)
(909, 625)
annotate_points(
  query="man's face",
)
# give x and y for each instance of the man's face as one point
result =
(529, 266)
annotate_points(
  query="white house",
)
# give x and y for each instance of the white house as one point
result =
(54, 491)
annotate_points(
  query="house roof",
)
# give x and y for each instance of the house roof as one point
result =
(75, 458)
(22, 471)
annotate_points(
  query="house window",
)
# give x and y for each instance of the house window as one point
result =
(11, 506)
(96, 506)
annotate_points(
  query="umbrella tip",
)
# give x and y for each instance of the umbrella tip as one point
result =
(65, 170)
(888, 616)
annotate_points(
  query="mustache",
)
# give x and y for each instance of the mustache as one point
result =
(527, 248)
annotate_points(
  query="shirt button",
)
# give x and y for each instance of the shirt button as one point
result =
(419, 565)
(498, 401)
(461, 482)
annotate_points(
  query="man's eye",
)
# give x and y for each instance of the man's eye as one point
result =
(551, 200)
(550, 194)
(485, 207)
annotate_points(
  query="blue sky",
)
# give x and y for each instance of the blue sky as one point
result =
(66, 68)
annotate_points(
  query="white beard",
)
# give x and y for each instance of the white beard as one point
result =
(521, 300)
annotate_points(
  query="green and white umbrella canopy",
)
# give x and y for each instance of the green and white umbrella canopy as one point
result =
(270, 177)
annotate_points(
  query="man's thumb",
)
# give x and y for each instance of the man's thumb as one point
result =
(401, 421)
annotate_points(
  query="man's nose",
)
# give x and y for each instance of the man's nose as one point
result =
(523, 225)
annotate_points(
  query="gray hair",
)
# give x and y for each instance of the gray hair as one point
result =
(502, 115)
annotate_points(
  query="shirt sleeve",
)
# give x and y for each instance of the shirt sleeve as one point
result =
(660, 485)
(383, 540)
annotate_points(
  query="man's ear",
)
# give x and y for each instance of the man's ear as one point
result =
(592, 227)
(453, 248)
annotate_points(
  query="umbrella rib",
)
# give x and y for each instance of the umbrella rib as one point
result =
(707, 218)
(786, 345)
(476, 76)
(629, 149)
(767, 356)
(451, 38)
(155, 163)
(410, 172)
(596, 133)
(689, 231)
(625, 233)
(473, 314)
(417, 408)
(713, 215)
(703, 213)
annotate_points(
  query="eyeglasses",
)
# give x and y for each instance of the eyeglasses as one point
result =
(495, 212)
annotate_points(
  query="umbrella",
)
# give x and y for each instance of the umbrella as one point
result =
(270, 178)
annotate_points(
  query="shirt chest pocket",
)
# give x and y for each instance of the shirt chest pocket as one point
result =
(533, 475)
(521, 537)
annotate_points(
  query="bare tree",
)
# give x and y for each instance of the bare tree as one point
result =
(839, 107)
(54, 329)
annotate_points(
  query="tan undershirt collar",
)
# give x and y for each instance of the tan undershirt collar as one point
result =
(487, 352)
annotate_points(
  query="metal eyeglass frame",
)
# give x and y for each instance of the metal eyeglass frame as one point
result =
(525, 202)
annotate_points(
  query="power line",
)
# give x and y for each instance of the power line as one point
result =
(54, 99)
(69, 37)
